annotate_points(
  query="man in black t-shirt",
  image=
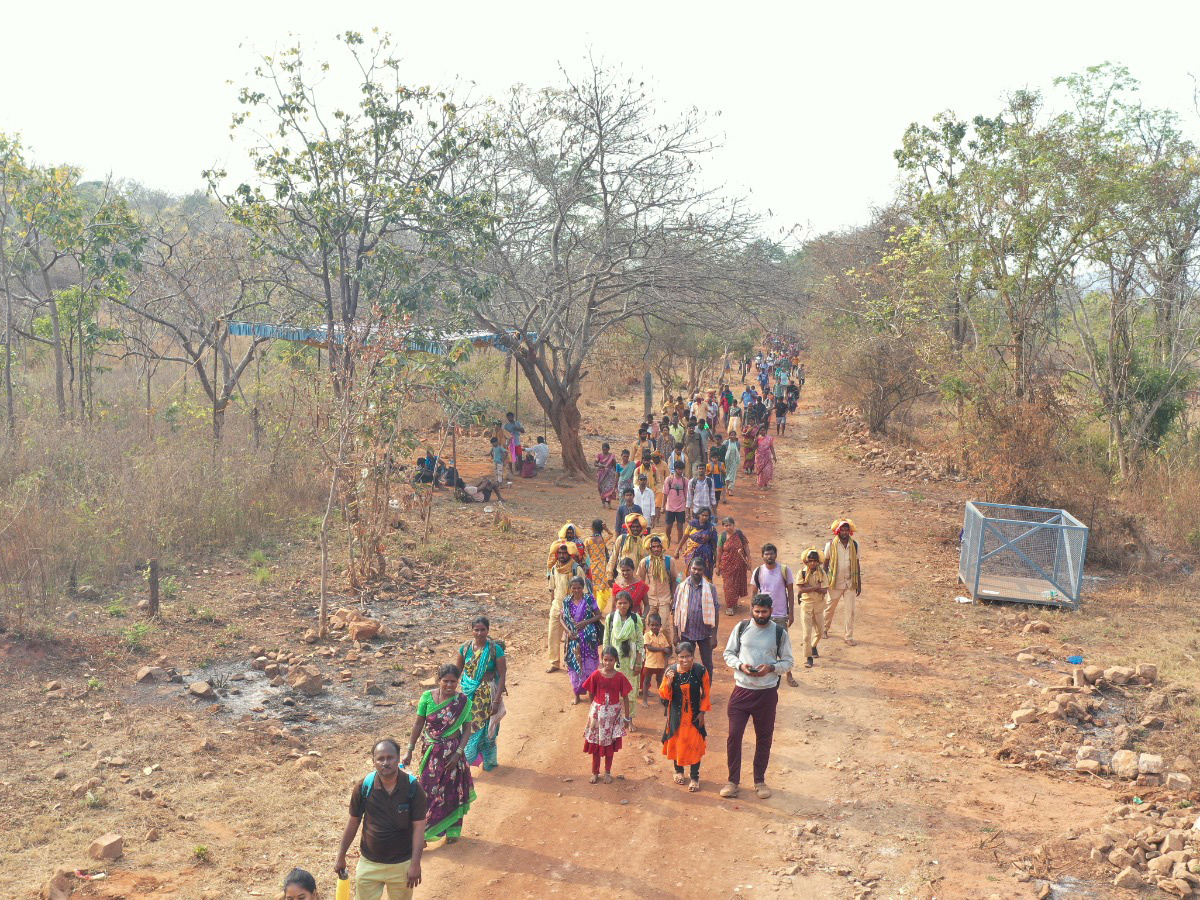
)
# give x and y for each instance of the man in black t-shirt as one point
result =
(392, 808)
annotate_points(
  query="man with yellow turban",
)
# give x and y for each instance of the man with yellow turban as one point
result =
(565, 566)
(845, 576)
(630, 545)
(812, 585)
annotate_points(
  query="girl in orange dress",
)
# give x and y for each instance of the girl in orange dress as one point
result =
(685, 692)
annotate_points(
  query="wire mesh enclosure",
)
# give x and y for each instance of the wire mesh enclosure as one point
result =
(1022, 554)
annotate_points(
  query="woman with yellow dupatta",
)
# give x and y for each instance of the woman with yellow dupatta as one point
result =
(596, 552)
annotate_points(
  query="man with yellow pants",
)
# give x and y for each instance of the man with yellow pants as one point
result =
(391, 807)
(566, 566)
(845, 576)
(812, 585)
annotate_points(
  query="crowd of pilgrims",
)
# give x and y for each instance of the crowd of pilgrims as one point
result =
(623, 618)
(633, 613)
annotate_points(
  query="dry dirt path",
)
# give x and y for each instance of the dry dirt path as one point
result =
(863, 748)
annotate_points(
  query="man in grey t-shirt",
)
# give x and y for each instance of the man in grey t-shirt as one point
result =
(759, 652)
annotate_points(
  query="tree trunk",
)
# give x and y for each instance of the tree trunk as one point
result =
(8, 385)
(560, 402)
(565, 419)
(323, 610)
(60, 396)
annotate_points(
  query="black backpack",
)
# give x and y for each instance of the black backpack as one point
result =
(780, 631)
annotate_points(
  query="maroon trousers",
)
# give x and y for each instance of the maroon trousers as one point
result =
(744, 705)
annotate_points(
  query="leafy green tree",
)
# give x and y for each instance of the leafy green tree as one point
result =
(360, 203)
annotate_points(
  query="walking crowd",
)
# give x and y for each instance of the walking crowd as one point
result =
(634, 622)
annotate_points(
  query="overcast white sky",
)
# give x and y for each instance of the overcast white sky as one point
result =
(813, 97)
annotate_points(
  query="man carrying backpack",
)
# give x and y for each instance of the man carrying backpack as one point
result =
(391, 807)
(759, 651)
(777, 581)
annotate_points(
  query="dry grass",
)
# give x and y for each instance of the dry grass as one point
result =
(94, 502)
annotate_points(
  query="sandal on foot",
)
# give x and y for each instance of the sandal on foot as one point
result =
(730, 790)
(763, 791)
(679, 779)
(608, 778)
(693, 786)
(595, 778)
(552, 669)
(792, 680)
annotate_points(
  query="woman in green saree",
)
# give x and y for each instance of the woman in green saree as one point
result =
(444, 720)
(625, 630)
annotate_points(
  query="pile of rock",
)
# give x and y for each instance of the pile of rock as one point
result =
(1082, 699)
(890, 460)
(1152, 845)
(358, 627)
(161, 671)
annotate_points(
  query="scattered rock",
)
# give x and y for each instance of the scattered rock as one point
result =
(1177, 781)
(1089, 766)
(207, 745)
(1119, 674)
(1088, 752)
(310, 636)
(55, 686)
(1120, 858)
(1026, 658)
(149, 673)
(1150, 764)
(1036, 627)
(88, 592)
(107, 847)
(307, 679)
(1148, 672)
(1128, 878)
(151, 836)
(1024, 716)
(59, 887)
(1125, 764)
(364, 630)
(370, 687)
(59, 774)
(202, 689)
(308, 763)
(1150, 722)
(1092, 674)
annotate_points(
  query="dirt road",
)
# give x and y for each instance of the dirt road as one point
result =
(883, 765)
(870, 785)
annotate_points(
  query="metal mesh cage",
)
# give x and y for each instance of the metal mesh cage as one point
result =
(1022, 554)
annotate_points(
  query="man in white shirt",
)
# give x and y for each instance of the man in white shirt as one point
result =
(845, 576)
(643, 496)
(541, 452)
(758, 651)
(701, 492)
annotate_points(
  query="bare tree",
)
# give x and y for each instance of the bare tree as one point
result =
(600, 220)
(196, 278)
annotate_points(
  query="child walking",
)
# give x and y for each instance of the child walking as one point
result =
(658, 648)
(498, 459)
(685, 692)
(812, 587)
(609, 715)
